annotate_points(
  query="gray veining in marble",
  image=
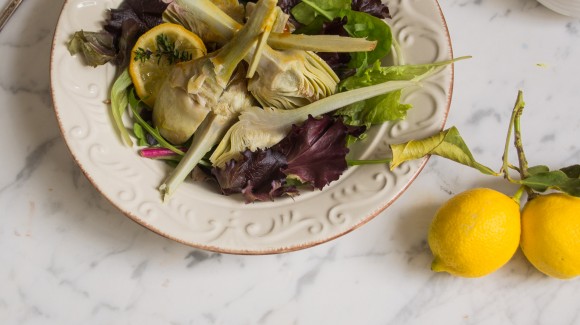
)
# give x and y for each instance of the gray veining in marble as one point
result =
(68, 257)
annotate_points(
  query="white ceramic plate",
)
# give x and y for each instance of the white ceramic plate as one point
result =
(197, 214)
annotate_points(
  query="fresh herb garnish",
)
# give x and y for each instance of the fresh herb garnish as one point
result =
(142, 54)
(165, 49)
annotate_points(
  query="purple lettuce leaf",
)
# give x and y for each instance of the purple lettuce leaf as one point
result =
(312, 154)
(257, 175)
(131, 20)
(373, 7)
(316, 150)
(287, 5)
(147, 13)
(338, 61)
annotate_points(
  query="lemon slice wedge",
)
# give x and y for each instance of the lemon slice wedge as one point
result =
(155, 53)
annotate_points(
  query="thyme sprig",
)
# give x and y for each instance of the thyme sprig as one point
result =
(165, 49)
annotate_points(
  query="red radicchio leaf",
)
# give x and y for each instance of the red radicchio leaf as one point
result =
(257, 175)
(316, 150)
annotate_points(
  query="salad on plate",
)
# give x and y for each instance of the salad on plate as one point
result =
(265, 98)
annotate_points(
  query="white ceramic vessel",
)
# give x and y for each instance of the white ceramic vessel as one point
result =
(197, 214)
(564, 7)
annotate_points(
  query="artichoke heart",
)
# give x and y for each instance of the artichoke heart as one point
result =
(177, 112)
(292, 78)
(284, 79)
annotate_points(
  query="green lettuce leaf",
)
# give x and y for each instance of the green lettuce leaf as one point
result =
(363, 25)
(306, 13)
(374, 111)
(312, 14)
(386, 107)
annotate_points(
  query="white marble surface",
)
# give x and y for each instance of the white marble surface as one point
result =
(68, 257)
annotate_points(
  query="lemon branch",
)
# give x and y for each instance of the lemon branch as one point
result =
(522, 169)
(523, 162)
(519, 105)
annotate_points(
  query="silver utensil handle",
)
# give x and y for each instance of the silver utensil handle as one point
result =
(8, 11)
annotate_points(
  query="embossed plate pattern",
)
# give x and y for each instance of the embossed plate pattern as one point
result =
(197, 214)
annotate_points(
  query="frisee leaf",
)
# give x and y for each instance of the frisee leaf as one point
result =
(447, 144)
(386, 107)
(376, 110)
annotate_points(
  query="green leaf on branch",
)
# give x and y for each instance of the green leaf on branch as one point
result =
(447, 144)
(554, 180)
(572, 171)
(538, 170)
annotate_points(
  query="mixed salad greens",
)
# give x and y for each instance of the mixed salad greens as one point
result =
(277, 94)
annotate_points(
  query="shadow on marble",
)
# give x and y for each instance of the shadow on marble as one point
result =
(411, 229)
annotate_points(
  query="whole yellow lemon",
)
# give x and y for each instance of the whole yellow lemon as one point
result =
(551, 234)
(475, 233)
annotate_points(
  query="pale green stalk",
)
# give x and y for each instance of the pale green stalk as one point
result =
(320, 43)
(262, 128)
(119, 103)
(281, 21)
(236, 50)
(505, 166)
(207, 135)
(225, 27)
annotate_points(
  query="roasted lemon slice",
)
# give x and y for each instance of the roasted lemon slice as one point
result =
(156, 52)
